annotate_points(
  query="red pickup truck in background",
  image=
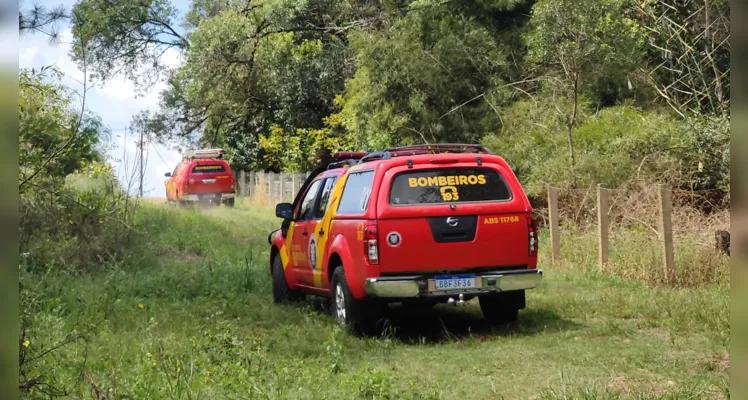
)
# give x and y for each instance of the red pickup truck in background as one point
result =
(203, 176)
(418, 225)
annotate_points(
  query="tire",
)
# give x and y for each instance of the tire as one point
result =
(229, 202)
(179, 203)
(282, 293)
(358, 316)
(502, 308)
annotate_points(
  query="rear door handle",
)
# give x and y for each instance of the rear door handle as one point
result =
(304, 233)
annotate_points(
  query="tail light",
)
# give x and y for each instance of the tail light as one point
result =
(371, 245)
(532, 236)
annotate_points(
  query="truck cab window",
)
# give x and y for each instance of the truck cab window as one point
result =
(305, 211)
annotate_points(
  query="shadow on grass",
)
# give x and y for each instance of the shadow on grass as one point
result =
(446, 323)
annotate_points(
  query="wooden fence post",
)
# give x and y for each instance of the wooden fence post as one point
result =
(553, 223)
(271, 188)
(293, 185)
(282, 187)
(242, 183)
(666, 233)
(602, 225)
(251, 184)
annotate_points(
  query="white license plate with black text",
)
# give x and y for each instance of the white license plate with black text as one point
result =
(454, 282)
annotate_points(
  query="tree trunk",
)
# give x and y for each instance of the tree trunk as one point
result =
(710, 54)
(572, 119)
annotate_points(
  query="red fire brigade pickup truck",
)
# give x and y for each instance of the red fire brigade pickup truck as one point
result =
(419, 225)
(203, 176)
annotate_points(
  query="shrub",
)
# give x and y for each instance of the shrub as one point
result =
(613, 146)
(82, 223)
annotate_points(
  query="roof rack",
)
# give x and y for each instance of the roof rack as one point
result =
(424, 149)
(348, 155)
(347, 159)
(443, 148)
(342, 163)
(381, 155)
(204, 153)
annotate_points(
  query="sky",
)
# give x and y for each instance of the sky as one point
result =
(115, 102)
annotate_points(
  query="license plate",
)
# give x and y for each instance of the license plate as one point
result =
(209, 196)
(451, 282)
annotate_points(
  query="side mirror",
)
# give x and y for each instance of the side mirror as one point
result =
(168, 174)
(284, 210)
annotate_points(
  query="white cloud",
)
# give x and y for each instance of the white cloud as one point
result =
(123, 90)
(159, 159)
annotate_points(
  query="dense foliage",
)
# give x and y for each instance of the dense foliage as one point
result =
(74, 215)
(73, 211)
(552, 85)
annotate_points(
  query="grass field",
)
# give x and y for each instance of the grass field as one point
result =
(189, 315)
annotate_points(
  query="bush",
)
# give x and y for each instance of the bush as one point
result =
(80, 224)
(613, 147)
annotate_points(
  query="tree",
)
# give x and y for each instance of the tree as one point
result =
(305, 149)
(40, 19)
(49, 125)
(249, 70)
(438, 74)
(126, 37)
(574, 43)
(688, 46)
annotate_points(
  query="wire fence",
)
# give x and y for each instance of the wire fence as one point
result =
(639, 231)
(267, 188)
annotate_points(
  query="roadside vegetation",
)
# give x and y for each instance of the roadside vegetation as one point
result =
(125, 298)
(187, 313)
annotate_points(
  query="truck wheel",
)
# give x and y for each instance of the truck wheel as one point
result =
(229, 202)
(282, 293)
(356, 315)
(504, 307)
(179, 203)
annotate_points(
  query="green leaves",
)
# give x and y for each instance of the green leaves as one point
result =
(585, 40)
(614, 146)
(47, 122)
(261, 79)
(425, 80)
(125, 37)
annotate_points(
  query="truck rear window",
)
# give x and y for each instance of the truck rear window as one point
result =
(208, 168)
(449, 185)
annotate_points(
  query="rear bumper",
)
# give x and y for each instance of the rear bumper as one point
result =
(423, 286)
(207, 196)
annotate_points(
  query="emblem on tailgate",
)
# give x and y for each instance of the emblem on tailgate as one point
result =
(452, 221)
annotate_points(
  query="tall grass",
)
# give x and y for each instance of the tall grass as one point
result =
(188, 314)
(638, 257)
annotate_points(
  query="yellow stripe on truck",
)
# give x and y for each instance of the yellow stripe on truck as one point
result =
(284, 248)
(324, 224)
